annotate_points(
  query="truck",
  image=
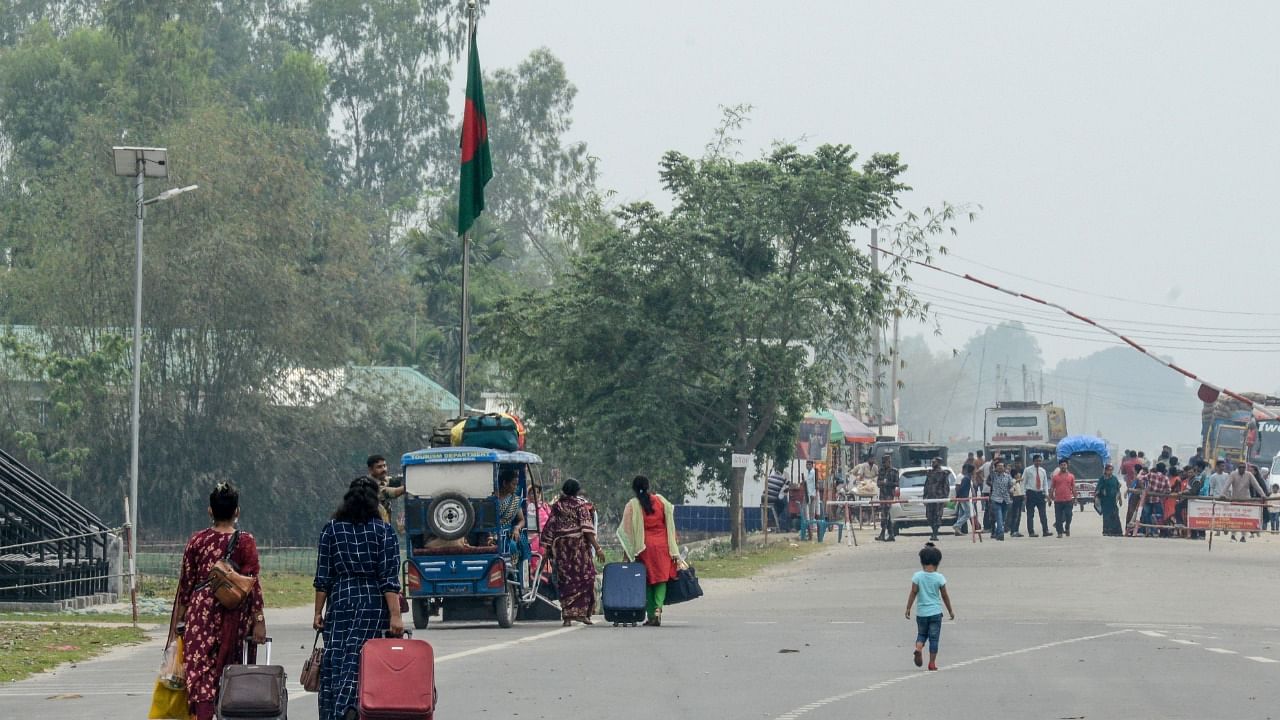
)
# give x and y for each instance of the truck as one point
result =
(1086, 457)
(1018, 430)
(1228, 427)
(907, 454)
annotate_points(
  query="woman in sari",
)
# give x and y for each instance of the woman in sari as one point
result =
(569, 539)
(213, 636)
(357, 593)
(648, 535)
(1107, 496)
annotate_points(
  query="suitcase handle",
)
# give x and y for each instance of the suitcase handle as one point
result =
(406, 635)
(266, 643)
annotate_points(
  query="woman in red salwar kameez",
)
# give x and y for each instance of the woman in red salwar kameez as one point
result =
(648, 534)
(214, 636)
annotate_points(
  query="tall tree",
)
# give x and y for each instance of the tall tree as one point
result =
(686, 336)
(541, 180)
(389, 89)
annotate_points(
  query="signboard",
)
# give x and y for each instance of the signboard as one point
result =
(1202, 515)
(815, 434)
(741, 460)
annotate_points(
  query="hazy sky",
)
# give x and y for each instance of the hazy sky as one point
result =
(1128, 150)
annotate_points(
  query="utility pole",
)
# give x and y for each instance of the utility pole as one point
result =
(1025, 394)
(893, 377)
(977, 395)
(876, 407)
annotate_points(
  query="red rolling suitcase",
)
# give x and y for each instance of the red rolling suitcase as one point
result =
(397, 679)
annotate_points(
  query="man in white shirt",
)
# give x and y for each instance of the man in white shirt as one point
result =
(1219, 480)
(864, 485)
(1035, 480)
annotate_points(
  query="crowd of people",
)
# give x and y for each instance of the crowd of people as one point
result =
(357, 580)
(1138, 497)
(1159, 491)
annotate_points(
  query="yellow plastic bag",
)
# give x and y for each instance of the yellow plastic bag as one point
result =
(169, 702)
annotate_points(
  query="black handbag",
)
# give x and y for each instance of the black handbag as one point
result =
(683, 587)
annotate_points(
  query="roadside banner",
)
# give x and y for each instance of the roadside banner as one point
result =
(815, 435)
(1211, 515)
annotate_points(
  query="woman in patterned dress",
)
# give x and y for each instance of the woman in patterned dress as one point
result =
(357, 593)
(214, 636)
(568, 539)
(648, 535)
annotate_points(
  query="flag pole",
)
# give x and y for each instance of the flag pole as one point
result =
(466, 253)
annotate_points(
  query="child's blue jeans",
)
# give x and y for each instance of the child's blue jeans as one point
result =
(929, 628)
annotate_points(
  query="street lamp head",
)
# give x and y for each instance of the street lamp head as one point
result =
(170, 193)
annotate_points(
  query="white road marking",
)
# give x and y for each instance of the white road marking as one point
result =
(805, 709)
(295, 692)
(1184, 642)
(1151, 633)
(82, 693)
(1221, 651)
(1258, 658)
(1155, 625)
(507, 644)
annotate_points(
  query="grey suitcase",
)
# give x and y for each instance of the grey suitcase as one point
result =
(253, 692)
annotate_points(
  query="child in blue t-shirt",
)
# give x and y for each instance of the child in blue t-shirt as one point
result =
(929, 592)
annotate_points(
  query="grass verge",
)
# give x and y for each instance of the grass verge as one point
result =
(280, 590)
(29, 649)
(722, 562)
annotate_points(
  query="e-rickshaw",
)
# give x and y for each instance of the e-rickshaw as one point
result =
(463, 562)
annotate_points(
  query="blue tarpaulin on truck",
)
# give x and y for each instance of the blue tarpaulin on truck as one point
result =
(1072, 444)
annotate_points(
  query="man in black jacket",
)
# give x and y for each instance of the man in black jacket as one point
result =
(887, 481)
(936, 487)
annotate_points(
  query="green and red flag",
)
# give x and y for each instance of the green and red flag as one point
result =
(477, 168)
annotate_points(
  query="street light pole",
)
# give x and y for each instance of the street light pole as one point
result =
(135, 410)
(139, 163)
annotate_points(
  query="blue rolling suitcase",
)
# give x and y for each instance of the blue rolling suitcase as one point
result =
(622, 593)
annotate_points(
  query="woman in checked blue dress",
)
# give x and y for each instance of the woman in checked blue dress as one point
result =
(357, 593)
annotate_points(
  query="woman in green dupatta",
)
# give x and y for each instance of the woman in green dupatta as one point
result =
(1107, 497)
(648, 535)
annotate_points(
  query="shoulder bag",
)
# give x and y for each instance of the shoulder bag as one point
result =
(228, 585)
(684, 586)
(310, 677)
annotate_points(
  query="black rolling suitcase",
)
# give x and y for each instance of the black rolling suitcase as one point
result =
(253, 691)
(622, 593)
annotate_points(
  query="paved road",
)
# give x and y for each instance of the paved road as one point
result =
(1081, 627)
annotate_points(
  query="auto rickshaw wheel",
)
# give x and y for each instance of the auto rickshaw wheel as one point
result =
(506, 607)
(421, 614)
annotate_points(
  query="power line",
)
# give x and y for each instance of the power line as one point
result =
(1141, 335)
(988, 266)
(1104, 341)
(1208, 330)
